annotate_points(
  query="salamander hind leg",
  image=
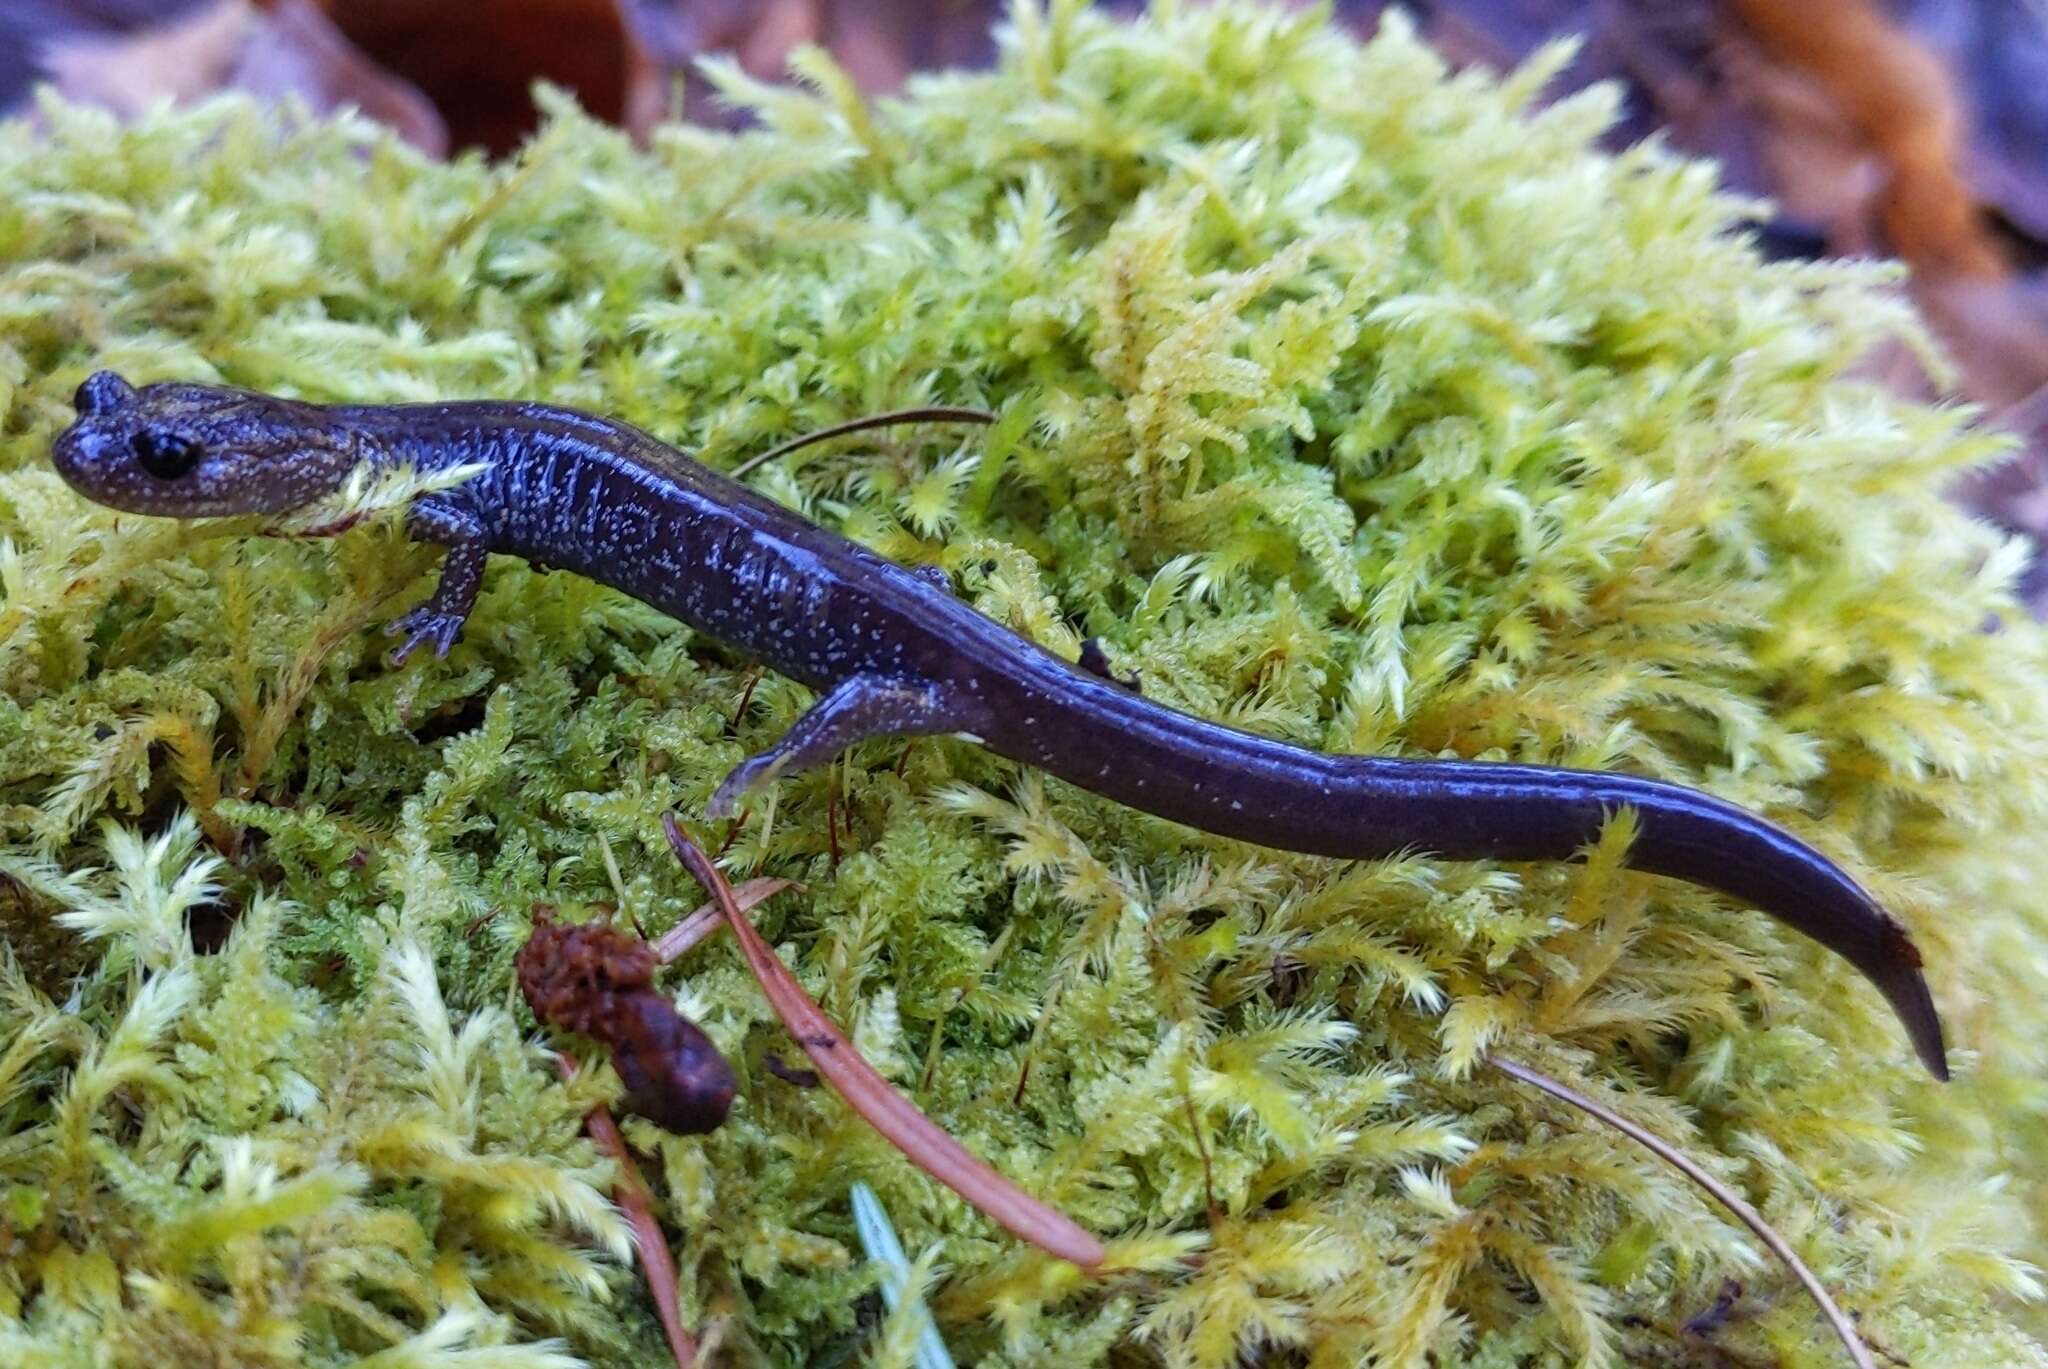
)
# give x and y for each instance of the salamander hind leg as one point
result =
(855, 709)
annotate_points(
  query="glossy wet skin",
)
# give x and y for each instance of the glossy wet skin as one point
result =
(893, 652)
(197, 450)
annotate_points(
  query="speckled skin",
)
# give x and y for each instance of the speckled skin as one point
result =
(892, 651)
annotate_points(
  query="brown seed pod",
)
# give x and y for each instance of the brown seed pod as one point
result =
(597, 981)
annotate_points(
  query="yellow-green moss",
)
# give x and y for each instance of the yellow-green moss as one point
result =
(1351, 402)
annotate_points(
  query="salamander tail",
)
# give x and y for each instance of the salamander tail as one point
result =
(1713, 843)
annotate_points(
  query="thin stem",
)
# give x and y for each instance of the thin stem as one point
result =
(923, 1142)
(1187, 1102)
(1722, 1194)
(703, 922)
(638, 1204)
(933, 414)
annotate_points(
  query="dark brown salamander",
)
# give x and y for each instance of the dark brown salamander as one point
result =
(891, 650)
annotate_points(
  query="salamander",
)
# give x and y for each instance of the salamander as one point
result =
(891, 650)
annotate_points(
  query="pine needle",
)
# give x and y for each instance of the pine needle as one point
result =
(920, 1139)
(638, 1205)
(934, 414)
(1721, 1193)
(702, 923)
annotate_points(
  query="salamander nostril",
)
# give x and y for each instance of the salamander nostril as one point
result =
(102, 393)
(164, 455)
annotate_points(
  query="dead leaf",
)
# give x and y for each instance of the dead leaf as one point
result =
(1901, 101)
(297, 50)
(184, 59)
(477, 60)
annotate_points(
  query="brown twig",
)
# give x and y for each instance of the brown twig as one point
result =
(733, 827)
(746, 697)
(921, 1140)
(1722, 1194)
(637, 1202)
(278, 712)
(935, 414)
(703, 922)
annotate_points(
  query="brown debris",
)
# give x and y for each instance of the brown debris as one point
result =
(923, 1142)
(597, 981)
(636, 1201)
(296, 50)
(1902, 102)
(183, 59)
(477, 60)
(445, 74)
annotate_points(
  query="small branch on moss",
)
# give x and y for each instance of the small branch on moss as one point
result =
(1187, 1102)
(703, 922)
(198, 780)
(1720, 1192)
(935, 414)
(832, 818)
(920, 1139)
(638, 1204)
(746, 697)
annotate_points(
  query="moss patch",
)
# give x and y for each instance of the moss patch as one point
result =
(1348, 401)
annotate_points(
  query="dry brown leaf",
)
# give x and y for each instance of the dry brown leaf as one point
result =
(477, 60)
(1899, 98)
(1817, 166)
(444, 73)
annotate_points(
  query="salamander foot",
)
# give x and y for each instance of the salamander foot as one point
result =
(424, 627)
(856, 709)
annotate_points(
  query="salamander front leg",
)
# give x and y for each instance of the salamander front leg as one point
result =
(864, 706)
(439, 621)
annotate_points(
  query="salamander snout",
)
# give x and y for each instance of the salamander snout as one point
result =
(121, 454)
(188, 450)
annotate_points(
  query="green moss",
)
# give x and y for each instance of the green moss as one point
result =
(1349, 401)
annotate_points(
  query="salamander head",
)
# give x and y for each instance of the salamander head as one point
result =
(196, 450)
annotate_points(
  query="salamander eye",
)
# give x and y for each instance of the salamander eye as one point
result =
(102, 393)
(164, 455)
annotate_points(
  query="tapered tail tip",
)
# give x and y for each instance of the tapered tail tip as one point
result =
(1926, 1030)
(1906, 989)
